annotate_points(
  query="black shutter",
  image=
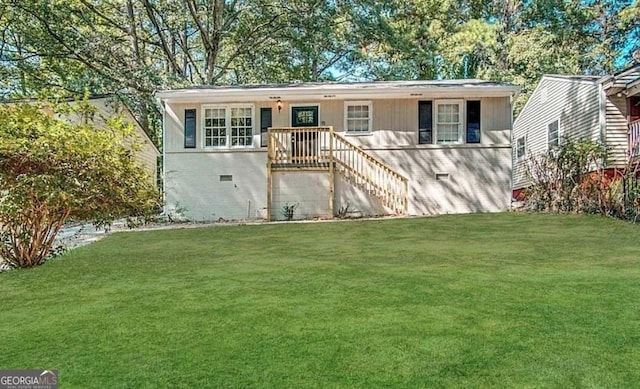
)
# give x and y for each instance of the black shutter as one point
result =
(189, 128)
(473, 121)
(265, 122)
(425, 122)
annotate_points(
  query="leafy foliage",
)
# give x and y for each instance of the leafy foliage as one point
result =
(134, 48)
(52, 170)
(573, 178)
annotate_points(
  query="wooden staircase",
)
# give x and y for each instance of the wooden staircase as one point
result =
(321, 149)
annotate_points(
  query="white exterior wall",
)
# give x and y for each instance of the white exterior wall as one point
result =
(574, 103)
(471, 179)
(193, 188)
(307, 191)
(479, 175)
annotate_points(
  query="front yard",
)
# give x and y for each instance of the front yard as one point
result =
(487, 300)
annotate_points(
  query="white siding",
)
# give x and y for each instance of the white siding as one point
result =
(617, 129)
(574, 103)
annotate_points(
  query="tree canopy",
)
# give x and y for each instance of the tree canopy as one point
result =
(134, 48)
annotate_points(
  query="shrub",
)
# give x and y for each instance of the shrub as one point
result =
(52, 170)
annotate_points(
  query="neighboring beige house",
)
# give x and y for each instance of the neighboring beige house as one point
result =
(371, 148)
(108, 106)
(603, 109)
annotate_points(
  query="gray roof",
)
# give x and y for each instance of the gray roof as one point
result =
(354, 85)
(575, 77)
(333, 89)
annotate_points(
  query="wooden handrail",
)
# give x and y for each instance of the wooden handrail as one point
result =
(321, 147)
(367, 155)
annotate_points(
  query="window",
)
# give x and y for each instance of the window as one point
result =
(553, 135)
(241, 127)
(266, 117)
(189, 128)
(425, 122)
(448, 122)
(358, 117)
(520, 148)
(473, 121)
(225, 126)
(215, 127)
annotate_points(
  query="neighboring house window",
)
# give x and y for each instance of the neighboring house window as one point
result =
(473, 121)
(266, 121)
(520, 148)
(553, 135)
(358, 117)
(241, 126)
(228, 126)
(448, 122)
(425, 122)
(189, 128)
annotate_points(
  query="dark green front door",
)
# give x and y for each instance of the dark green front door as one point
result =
(304, 116)
(304, 143)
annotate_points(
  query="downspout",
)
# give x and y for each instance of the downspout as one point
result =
(164, 156)
(512, 99)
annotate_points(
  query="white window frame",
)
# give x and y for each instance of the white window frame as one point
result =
(549, 147)
(369, 106)
(520, 157)
(461, 120)
(228, 108)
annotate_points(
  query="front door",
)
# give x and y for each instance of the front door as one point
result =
(304, 142)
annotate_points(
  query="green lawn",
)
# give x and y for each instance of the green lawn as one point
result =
(501, 300)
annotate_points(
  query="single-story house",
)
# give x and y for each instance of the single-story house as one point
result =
(325, 149)
(603, 109)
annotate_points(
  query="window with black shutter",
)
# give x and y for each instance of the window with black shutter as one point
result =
(265, 122)
(473, 121)
(425, 122)
(189, 128)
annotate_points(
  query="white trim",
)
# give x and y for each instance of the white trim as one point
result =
(461, 131)
(602, 114)
(296, 105)
(227, 115)
(432, 90)
(361, 103)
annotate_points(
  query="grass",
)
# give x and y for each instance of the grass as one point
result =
(486, 300)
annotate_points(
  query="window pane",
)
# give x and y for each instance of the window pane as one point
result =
(241, 127)
(448, 125)
(552, 134)
(358, 118)
(215, 127)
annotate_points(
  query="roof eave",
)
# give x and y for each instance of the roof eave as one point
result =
(265, 94)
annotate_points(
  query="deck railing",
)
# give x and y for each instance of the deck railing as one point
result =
(634, 139)
(321, 147)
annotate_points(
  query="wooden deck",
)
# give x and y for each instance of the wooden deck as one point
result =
(321, 149)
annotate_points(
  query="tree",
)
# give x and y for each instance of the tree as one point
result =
(52, 170)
